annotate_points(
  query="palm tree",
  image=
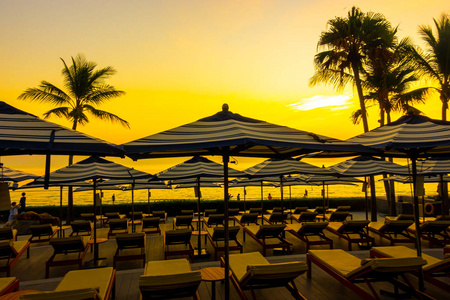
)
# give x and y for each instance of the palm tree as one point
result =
(86, 90)
(434, 62)
(346, 44)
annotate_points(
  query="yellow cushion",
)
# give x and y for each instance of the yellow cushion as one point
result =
(253, 228)
(167, 267)
(275, 271)
(5, 282)
(91, 278)
(19, 245)
(74, 294)
(338, 260)
(163, 282)
(239, 262)
(402, 252)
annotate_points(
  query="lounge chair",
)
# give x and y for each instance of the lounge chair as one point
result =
(117, 226)
(434, 268)
(350, 270)
(208, 212)
(137, 216)
(8, 285)
(42, 232)
(150, 225)
(113, 216)
(247, 219)
(353, 231)
(265, 235)
(337, 216)
(435, 232)
(214, 220)
(89, 284)
(276, 209)
(182, 222)
(187, 212)
(81, 228)
(67, 251)
(90, 217)
(255, 210)
(232, 212)
(10, 251)
(130, 246)
(168, 279)
(340, 208)
(276, 218)
(401, 217)
(216, 236)
(306, 216)
(394, 231)
(299, 209)
(319, 209)
(162, 215)
(8, 234)
(180, 240)
(253, 271)
(305, 231)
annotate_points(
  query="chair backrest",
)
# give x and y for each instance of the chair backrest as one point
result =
(435, 227)
(130, 240)
(210, 211)
(67, 244)
(216, 219)
(179, 236)
(339, 216)
(255, 210)
(138, 215)
(343, 208)
(185, 220)
(396, 226)
(320, 209)
(248, 218)
(405, 217)
(312, 228)
(272, 275)
(353, 226)
(118, 224)
(307, 216)
(81, 226)
(41, 229)
(278, 209)
(185, 212)
(233, 212)
(277, 217)
(87, 216)
(112, 215)
(6, 250)
(299, 209)
(150, 222)
(219, 233)
(170, 286)
(6, 234)
(159, 213)
(441, 218)
(270, 231)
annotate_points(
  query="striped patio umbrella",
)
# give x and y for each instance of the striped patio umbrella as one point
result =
(363, 166)
(413, 137)
(198, 170)
(8, 174)
(95, 169)
(229, 134)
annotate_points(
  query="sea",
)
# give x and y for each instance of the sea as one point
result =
(52, 196)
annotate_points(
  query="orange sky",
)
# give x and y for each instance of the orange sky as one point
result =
(179, 61)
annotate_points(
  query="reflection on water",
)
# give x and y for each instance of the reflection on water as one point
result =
(39, 197)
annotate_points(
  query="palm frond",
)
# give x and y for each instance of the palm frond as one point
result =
(103, 115)
(58, 112)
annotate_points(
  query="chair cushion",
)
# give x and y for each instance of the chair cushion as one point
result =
(239, 262)
(5, 282)
(167, 267)
(169, 281)
(74, 294)
(275, 271)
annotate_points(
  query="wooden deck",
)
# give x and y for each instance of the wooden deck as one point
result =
(31, 272)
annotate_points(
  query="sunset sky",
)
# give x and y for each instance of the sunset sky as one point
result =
(179, 61)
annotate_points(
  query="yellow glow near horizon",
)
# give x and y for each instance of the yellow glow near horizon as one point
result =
(320, 101)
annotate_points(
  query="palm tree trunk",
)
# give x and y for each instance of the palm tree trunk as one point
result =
(360, 96)
(70, 214)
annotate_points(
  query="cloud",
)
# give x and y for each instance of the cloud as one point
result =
(339, 102)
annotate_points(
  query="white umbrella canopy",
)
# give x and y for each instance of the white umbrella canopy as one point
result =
(8, 174)
(229, 134)
(426, 178)
(363, 166)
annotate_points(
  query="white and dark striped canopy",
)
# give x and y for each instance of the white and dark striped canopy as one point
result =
(24, 133)
(409, 136)
(329, 180)
(8, 174)
(426, 179)
(278, 167)
(244, 137)
(196, 167)
(92, 168)
(434, 166)
(362, 166)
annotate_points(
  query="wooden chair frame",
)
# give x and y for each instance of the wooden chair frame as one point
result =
(129, 241)
(8, 252)
(219, 236)
(270, 232)
(349, 229)
(64, 246)
(178, 237)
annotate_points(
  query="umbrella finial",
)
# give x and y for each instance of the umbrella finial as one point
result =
(225, 107)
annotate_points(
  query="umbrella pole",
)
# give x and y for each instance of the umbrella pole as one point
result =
(324, 199)
(226, 159)
(148, 200)
(133, 226)
(443, 199)
(281, 196)
(199, 240)
(367, 198)
(416, 220)
(60, 210)
(95, 225)
(262, 207)
(245, 193)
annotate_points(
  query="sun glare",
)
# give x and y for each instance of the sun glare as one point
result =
(339, 102)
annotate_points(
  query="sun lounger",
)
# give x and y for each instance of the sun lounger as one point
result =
(214, 220)
(67, 251)
(340, 208)
(182, 222)
(434, 268)
(351, 231)
(216, 236)
(117, 226)
(89, 284)
(90, 217)
(395, 231)
(232, 212)
(162, 215)
(130, 246)
(350, 270)
(178, 242)
(337, 216)
(277, 210)
(114, 216)
(137, 216)
(306, 216)
(253, 271)
(8, 285)
(208, 212)
(247, 219)
(150, 225)
(319, 210)
(435, 232)
(187, 212)
(276, 218)
(8, 234)
(257, 210)
(299, 209)
(168, 279)
(10, 251)
(268, 236)
(404, 217)
(305, 231)
(42, 232)
(81, 228)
